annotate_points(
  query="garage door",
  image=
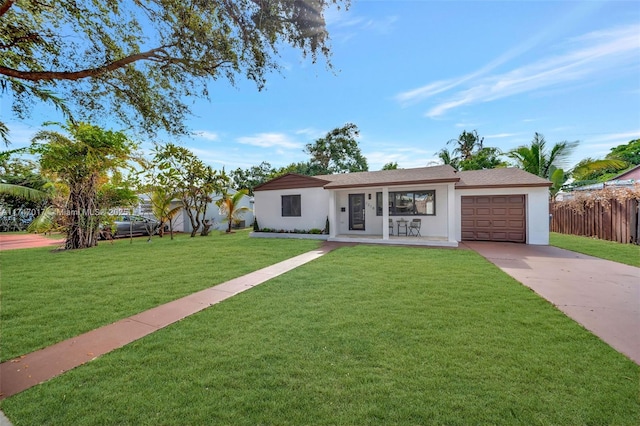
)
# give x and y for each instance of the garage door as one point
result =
(494, 218)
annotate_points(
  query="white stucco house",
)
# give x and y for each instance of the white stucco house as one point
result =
(181, 222)
(428, 206)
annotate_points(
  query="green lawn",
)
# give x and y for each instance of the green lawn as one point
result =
(50, 296)
(363, 335)
(623, 253)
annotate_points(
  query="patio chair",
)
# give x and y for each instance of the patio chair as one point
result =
(390, 226)
(414, 227)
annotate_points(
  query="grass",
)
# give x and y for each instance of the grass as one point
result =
(50, 296)
(623, 253)
(363, 335)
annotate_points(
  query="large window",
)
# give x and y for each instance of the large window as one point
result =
(291, 205)
(408, 203)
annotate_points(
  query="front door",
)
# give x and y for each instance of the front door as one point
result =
(356, 212)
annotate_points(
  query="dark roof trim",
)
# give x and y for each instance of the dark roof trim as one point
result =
(291, 181)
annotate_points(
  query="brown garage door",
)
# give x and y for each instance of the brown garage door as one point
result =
(494, 218)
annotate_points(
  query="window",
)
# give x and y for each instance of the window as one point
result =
(291, 205)
(408, 203)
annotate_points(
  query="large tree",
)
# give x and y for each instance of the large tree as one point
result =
(469, 153)
(139, 60)
(536, 158)
(337, 152)
(87, 161)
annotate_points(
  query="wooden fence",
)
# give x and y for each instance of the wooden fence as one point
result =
(612, 221)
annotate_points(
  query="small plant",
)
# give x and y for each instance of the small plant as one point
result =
(256, 228)
(326, 226)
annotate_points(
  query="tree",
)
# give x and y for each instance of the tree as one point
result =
(139, 60)
(82, 162)
(601, 170)
(194, 181)
(629, 152)
(484, 158)
(337, 152)
(390, 166)
(466, 144)
(252, 177)
(230, 207)
(536, 159)
(469, 153)
(448, 158)
(590, 169)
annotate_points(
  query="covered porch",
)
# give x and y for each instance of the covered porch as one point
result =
(421, 214)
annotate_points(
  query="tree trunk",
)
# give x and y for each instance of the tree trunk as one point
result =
(81, 216)
(206, 225)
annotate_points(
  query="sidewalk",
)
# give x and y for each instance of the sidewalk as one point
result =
(29, 370)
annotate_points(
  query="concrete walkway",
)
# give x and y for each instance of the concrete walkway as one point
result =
(29, 370)
(602, 296)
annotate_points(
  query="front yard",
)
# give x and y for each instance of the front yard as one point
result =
(623, 253)
(363, 335)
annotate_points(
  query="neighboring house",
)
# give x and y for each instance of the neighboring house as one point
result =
(627, 179)
(499, 205)
(181, 221)
(631, 174)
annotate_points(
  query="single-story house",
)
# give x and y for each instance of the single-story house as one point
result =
(505, 204)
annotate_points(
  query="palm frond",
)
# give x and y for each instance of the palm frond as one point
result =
(23, 192)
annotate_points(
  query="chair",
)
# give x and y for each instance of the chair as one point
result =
(390, 226)
(414, 227)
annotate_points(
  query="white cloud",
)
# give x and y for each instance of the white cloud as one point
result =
(625, 136)
(501, 135)
(204, 134)
(590, 54)
(584, 57)
(270, 140)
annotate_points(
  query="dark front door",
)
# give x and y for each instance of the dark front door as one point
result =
(356, 212)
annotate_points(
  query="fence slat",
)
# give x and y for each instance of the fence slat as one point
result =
(614, 221)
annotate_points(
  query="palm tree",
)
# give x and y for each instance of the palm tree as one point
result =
(230, 206)
(467, 144)
(161, 199)
(535, 158)
(591, 168)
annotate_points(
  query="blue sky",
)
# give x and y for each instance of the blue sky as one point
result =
(414, 74)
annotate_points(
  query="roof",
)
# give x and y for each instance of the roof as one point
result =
(632, 173)
(491, 178)
(292, 180)
(499, 178)
(434, 174)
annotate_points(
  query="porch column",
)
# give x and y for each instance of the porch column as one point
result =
(333, 223)
(452, 215)
(385, 213)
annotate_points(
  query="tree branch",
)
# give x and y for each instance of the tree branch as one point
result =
(152, 55)
(6, 5)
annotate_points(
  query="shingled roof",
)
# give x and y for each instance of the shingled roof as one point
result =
(493, 178)
(434, 174)
(499, 178)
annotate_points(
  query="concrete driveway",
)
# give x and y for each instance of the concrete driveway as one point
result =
(602, 296)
